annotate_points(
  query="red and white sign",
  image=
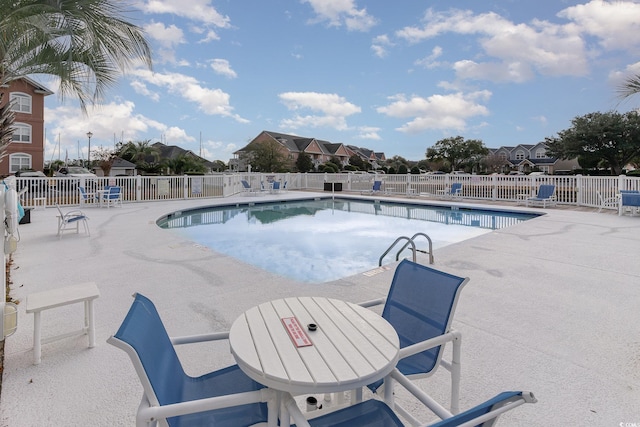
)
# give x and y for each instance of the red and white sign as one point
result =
(296, 332)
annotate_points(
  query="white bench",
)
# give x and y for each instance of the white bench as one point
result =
(40, 301)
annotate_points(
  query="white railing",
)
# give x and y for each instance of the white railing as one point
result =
(570, 190)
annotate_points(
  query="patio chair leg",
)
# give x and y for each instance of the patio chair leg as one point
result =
(455, 374)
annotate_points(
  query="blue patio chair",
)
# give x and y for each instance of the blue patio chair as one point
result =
(84, 196)
(454, 191)
(377, 187)
(275, 187)
(420, 306)
(376, 413)
(71, 220)
(546, 194)
(112, 196)
(629, 200)
(170, 395)
(247, 188)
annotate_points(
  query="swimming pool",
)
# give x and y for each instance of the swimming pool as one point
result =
(319, 240)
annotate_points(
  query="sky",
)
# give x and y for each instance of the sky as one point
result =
(394, 77)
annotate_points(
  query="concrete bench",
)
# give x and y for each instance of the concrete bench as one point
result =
(40, 301)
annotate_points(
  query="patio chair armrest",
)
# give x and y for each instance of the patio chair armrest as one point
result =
(373, 302)
(431, 343)
(190, 339)
(152, 413)
(76, 212)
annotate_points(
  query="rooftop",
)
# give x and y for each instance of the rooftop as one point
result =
(552, 307)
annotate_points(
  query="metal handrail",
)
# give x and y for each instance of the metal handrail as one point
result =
(430, 252)
(409, 241)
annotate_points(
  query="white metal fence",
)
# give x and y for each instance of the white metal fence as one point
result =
(577, 190)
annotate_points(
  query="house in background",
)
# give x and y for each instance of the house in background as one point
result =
(26, 150)
(529, 157)
(168, 152)
(292, 146)
(120, 167)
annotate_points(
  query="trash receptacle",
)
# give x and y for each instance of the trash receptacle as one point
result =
(26, 219)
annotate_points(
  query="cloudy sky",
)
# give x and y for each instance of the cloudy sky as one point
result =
(391, 76)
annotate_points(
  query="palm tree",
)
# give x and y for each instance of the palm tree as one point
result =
(629, 87)
(139, 152)
(85, 43)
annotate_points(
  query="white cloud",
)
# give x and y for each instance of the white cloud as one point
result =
(613, 23)
(380, 44)
(334, 110)
(441, 112)
(197, 10)
(168, 37)
(209, 101)
(430, 60)
(222, 67)
(518, 49)
(368, 132)
(342, 12)
(108, 122)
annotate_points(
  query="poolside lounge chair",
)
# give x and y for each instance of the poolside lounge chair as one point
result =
(247, 188)
(454, 191)
(112, 197)
(377, 187)
(629, 200)
(546, 194)
(226, 397)
(376, 412)
(84, 196)
(420, 306)
(275, 187)
(71, 220)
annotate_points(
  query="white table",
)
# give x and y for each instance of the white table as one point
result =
(351, 347)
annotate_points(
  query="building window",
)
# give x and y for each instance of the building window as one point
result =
(520, 155)
(21, 133)
(19, 161)
(503, 157)
(21, 102)
(541, 153)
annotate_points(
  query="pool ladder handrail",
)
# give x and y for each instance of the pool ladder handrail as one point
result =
(410, 241)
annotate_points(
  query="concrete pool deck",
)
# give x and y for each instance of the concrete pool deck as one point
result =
(552, 307)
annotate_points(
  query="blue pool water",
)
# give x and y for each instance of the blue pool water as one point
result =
(321, 240)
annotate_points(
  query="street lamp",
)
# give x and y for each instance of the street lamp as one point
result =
(89, 135)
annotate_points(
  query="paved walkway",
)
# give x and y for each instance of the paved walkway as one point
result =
(552, 307)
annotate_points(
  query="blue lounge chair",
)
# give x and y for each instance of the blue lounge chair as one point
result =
(546, 194)
(454, 191)
(420, 306)
(629, 199)
(84, 196)
(71, 220)
(377, 187)
(376, 413)
(112, 196)
(275, 187)
(170, 395)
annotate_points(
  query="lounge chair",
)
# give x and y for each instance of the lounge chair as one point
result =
(246, 187)
(420, 306)
(377, 187)
(85, 197)
(546, 194)
(112, 196)
(275, 187)
(629, 200)
(378, 413)
(226, 397)
(454, 191)
(70, 220)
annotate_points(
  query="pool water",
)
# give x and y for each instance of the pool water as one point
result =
(320, 240)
